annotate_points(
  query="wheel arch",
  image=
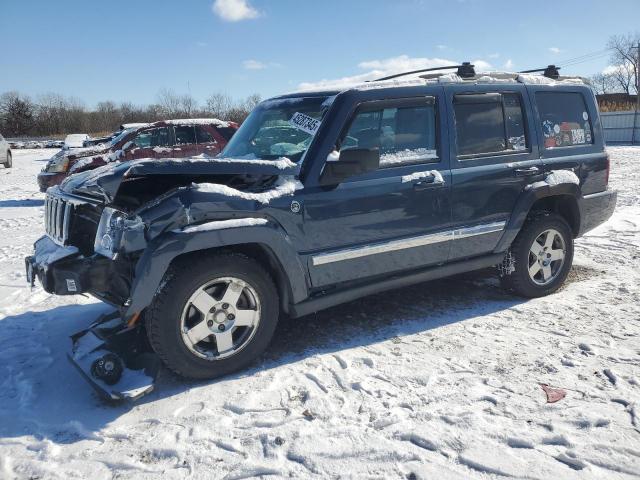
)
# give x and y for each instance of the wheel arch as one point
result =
(561, 199)
(267, 244)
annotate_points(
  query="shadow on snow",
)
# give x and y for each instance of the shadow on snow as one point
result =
(41, 394)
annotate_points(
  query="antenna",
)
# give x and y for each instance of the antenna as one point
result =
(465, 70)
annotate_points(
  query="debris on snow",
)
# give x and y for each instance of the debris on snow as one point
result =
(553, 394)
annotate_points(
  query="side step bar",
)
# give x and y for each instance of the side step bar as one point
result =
(331, 299)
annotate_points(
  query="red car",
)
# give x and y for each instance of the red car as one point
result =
(165, 139)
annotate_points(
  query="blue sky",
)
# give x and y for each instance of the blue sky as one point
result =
(129, 50)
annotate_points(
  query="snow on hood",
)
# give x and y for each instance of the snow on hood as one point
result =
(105, 180)
(222, 224)
(284, 186)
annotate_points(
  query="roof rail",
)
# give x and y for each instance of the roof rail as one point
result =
(550, 71)
(465, 70)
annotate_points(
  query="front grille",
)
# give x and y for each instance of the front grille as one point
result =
(57, 218)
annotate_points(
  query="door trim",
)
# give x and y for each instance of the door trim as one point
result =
(395, 245)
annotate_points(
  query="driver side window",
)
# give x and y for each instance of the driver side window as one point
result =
(404, 132)
(156, 137)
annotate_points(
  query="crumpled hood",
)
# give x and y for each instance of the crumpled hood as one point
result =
(105, 181)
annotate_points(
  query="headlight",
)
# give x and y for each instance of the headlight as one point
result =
(109, 232)
(58, 165)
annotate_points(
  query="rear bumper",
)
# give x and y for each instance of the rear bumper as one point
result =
(596, 209)
(47, 179)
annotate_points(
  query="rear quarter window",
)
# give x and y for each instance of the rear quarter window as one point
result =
(564, 119)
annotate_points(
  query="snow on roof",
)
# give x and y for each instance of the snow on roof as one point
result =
(483, 78)
(198, 121)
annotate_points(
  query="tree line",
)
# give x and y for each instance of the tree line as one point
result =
(52, 114)
(621, 76)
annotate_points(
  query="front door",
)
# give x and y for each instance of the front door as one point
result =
(494, 156)
(389, 220)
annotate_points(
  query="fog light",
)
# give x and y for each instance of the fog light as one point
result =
(106, 242)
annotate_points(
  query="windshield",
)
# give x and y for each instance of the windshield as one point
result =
(278, 128)
(121, 135)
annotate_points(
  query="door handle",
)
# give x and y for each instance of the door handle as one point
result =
(427, 184)
(526, 172)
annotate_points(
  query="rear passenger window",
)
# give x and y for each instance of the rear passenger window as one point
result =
(565, 120)
(404, 135)
(203, 135)
(489, 124)
(156, 137)
(185, 135)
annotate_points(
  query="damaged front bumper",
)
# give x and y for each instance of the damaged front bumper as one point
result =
(115, 359)
(65, 271)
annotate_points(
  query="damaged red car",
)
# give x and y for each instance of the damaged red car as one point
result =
(164, 139)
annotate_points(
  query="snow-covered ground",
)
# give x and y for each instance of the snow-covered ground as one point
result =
(437, 381)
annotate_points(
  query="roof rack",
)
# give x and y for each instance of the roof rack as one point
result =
(465, 70)
(550, 71)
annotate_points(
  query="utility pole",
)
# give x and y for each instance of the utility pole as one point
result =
(635, 115)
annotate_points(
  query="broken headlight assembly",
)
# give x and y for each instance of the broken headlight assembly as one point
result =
(109, 234)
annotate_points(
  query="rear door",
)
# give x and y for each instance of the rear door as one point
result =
(185, 141)
(392, 219)
(494, 156)
(206, 140)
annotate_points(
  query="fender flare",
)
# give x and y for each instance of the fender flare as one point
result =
(154, 262)
(525, 201)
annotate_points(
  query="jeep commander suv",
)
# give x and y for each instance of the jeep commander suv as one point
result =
(326, 196)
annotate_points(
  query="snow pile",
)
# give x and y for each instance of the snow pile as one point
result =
(285, 186)
(437, 176)
(532, 79)
(222, 224)
(198, 121)
(556, 177)
(407, 156)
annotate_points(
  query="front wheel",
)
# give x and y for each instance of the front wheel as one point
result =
(541, 257)
(213, 316)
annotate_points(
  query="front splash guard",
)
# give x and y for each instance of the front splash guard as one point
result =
(132, 367)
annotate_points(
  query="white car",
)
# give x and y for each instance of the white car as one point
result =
(5, 153)
(75, 140)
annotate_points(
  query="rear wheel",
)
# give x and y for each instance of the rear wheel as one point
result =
(541, 256)
(9, 162)
(213, 316)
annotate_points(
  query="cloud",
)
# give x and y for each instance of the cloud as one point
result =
(441, 47)
(508, 65)
(258, 65)
(253, 65)
(234, 10)
(384, 67)
(555, 50)
(493, 55)
(201, 44)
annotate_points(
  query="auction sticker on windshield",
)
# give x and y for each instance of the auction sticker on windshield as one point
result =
(305, 123)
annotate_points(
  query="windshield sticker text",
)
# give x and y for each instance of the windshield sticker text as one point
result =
(305, 123)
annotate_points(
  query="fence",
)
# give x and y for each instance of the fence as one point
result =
(618, 127)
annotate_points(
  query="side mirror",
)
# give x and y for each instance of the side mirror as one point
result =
(353, 161)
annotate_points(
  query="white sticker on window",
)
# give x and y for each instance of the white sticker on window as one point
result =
(577, 136)
(585, 116)
(305, 123)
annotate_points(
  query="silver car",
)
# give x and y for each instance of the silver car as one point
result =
(5, 153)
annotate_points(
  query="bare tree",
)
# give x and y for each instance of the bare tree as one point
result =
(170, 102)
(624, 59)
(16, 114)
(604, 83)
(219, 104)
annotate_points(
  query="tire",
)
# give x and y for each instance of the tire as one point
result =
(529, 275)
(9, 162)
(174, 323)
